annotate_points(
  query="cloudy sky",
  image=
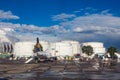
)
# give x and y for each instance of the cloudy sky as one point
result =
(55, 20)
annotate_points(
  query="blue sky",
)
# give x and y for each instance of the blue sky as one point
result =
(54, 20)
(39, 12)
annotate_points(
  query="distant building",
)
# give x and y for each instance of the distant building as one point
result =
(65, 48)
(98, 47)
(62, 48)
(6, 47)
(76, 48)
(25, 49)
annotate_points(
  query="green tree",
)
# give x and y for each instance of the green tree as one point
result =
(88, 50)
(111, 50)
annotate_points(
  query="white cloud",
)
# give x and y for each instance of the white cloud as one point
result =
(93, 27)
(87, 11)
(7, 29)
(94, 22)
(7, 15)
(63, 17)
(2, 32)
(106, 12)
(77, 29)
(25, 32)
(78, 11)
(82, 28)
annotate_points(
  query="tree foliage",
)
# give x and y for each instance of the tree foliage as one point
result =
(87, 49)
(111, 50)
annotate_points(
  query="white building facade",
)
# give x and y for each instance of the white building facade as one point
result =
(65, 48)
(62, 48)
(98, 47)
(76, 48)
(25, 49)
(6, 47)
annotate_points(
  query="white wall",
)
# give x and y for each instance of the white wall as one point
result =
(76, 48)
(25, 49)
(61, 49)
(65, 48)
(98, 47)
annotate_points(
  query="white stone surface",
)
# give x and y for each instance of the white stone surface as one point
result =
(98, 47)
